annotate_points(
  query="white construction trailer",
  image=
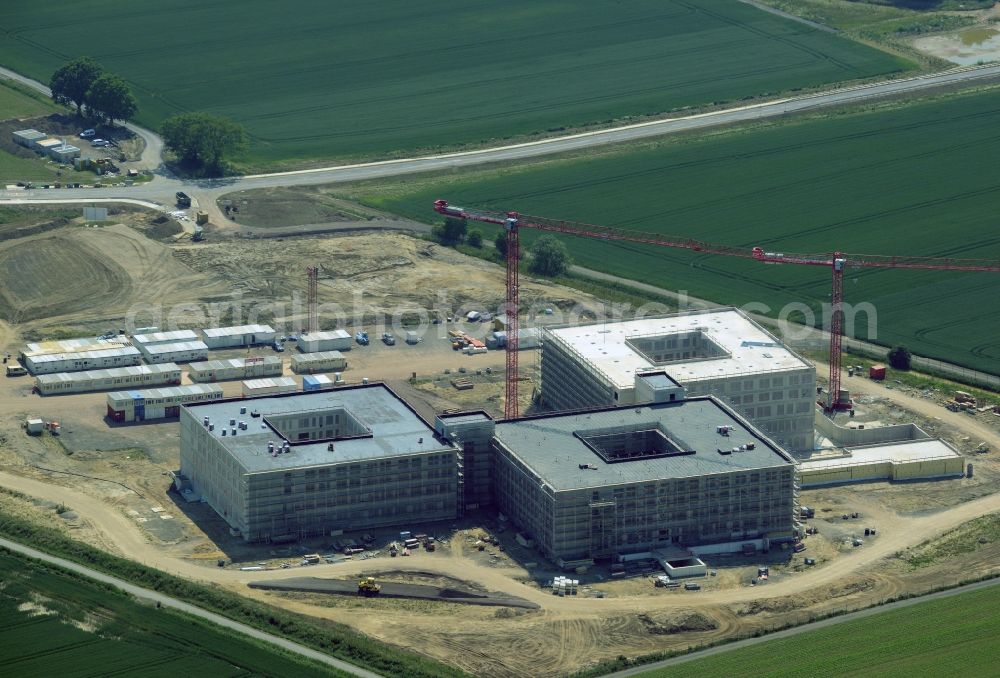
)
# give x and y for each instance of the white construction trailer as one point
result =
(103, 380)
(50, 363)
(158, 403)
(241, 335)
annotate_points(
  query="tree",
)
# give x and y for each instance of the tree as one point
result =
(500, 242)
(475, 238)
(549, 257)
(899, 357)
(70, 83)
(203, 140)
(452, 232)
(110, 98)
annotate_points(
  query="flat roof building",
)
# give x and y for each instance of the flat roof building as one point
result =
(164, 337)
(899, 460)
(47, 363)
(178, 352)
(236, 368)
(317, 342)
(103, 380)
(613, 481)
(239, 335)
(308, 463)
(719, 351)
(73, 345)
(269, 385)
(157, 403)
(27, 137)
(324, 361)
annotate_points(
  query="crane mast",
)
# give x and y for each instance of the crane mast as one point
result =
(836, 262)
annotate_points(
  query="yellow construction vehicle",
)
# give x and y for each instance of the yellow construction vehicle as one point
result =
(367, 586)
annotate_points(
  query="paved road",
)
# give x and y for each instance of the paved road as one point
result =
(805, 628)
(152, 154)
(205, 192)
(166, 601)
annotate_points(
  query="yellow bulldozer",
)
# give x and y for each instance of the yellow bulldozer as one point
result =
(367, 586)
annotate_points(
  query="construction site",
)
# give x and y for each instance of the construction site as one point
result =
(625, 459)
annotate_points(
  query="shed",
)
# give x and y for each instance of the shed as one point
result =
(255, 387)
(334, 340)
(240, 335)
(177, 352)
(27, 137)
(64, 153)
(78, 361)
(876, 372)
(164, 337)
(158, 403)
(236, 368)
(318, 382)
(46, 145)
(324, 361)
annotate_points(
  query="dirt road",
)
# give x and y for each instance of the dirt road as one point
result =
(965, 423)
(127, 537)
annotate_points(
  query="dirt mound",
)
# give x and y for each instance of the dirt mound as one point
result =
(768, 606)
(679, 621)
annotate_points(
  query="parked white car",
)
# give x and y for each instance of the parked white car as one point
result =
(98, 143)
(88, 133)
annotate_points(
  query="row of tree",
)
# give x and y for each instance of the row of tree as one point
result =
(200, 141)
(84, 83)
(548, 256)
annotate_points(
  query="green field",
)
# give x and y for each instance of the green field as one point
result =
(953, 636)
(55, 623)
(16, 101)
(314, 80)
(913, 180)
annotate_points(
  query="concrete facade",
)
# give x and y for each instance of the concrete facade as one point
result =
(602, 483)
(309, 463)
(472, 432)
(717, 352)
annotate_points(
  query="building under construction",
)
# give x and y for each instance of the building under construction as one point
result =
(720, 352)
(303, 464)
(607, 482)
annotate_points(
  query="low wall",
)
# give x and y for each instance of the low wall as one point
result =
(841, 436)
(859, 472)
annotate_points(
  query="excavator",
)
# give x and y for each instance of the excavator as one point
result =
(367, 586)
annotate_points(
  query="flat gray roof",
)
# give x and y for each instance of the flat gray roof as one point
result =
(397, 430)
(547, 444)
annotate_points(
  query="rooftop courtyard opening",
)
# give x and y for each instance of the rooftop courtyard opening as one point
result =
(661, 349)
(335, 423)
(628, 444)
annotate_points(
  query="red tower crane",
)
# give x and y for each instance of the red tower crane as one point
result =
(837, 262)
(312, 304)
